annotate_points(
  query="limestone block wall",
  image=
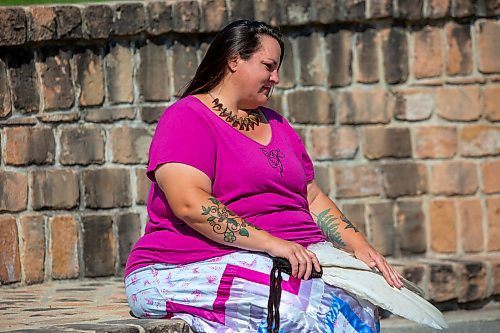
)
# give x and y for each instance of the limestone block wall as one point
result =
(397, 101)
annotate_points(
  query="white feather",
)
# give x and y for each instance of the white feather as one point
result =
(340, 269)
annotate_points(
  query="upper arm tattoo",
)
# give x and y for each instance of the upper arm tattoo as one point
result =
(225, 222)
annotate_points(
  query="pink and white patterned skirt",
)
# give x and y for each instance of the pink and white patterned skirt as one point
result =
(230, 294)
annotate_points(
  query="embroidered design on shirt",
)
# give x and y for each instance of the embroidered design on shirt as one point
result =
(274, 157)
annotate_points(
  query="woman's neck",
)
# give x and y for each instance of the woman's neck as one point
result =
(230, 100)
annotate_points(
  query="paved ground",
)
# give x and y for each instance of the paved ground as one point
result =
(100, 306)
(75, 306)
(478, 321)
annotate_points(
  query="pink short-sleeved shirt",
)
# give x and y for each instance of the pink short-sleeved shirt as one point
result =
(264, 184)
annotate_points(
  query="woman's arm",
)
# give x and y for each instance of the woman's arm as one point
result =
(188, 192)
(343, 234)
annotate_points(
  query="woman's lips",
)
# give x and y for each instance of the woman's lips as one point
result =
(266, 90)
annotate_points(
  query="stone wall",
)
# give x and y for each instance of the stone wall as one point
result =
(397, 102)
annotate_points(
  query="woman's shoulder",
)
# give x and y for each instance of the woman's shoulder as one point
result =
(185, 117)
(188, 108)
(277, 118)
(272, 115)
(282, 123)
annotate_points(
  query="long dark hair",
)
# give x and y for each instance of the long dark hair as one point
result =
(241, 38)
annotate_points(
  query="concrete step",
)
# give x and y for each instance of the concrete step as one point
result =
(461, 321)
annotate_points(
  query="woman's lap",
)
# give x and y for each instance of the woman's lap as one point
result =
(230, 293)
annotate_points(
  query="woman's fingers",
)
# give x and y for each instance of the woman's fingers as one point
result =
(377, 261)
(304, 265)
(308, 264)
(301, 259)
(312, 263)
(397, 277)
(389, 273)
(386, 272)
(315, 260)
(294, 263)
(298, 262)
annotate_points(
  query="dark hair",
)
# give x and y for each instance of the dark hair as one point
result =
(241, 38)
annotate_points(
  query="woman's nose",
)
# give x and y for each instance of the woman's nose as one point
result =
(275, 77)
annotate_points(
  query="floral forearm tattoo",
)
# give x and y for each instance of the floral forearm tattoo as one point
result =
(225, 222)
(330, 228)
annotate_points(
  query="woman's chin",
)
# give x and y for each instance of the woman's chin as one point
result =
(264, 96)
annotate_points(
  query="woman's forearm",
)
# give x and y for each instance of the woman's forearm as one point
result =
(334, 224)
(343, 234)
(211, 218)
(214, 220)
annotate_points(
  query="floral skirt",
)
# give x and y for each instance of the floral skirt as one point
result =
(230, 294)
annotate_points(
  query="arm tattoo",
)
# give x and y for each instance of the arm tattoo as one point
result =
(349, 223)
(329, 227)
(224, 222)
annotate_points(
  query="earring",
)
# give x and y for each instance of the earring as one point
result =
(270, 93)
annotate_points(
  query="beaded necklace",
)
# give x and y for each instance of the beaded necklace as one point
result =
(245, 123)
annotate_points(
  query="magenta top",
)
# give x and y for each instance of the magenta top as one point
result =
(264, 184)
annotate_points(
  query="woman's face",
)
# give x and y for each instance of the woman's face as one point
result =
(256, 76)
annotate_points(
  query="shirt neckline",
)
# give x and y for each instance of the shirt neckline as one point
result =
(263, 110)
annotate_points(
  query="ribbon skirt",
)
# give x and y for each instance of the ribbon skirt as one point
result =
(230, 294)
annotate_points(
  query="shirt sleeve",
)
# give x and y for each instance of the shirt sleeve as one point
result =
(182, 136)
(307, 163)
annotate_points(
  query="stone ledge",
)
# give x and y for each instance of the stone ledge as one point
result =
(454, 282)
(117, 326)
(97, 305)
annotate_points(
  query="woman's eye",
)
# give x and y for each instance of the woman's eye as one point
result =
(269, 67)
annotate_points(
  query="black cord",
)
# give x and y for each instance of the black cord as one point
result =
(273, 303)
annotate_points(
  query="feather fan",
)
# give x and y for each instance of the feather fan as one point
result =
(341, 269)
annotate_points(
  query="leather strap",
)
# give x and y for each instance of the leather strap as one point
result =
(273, 303)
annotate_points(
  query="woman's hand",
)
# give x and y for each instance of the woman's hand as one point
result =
(302, 259)
(375, 260)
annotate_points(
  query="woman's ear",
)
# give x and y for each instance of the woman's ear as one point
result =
(233, 62)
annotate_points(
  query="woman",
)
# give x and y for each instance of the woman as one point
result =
(232, 186)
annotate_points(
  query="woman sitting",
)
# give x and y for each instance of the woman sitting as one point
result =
(232, 187)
